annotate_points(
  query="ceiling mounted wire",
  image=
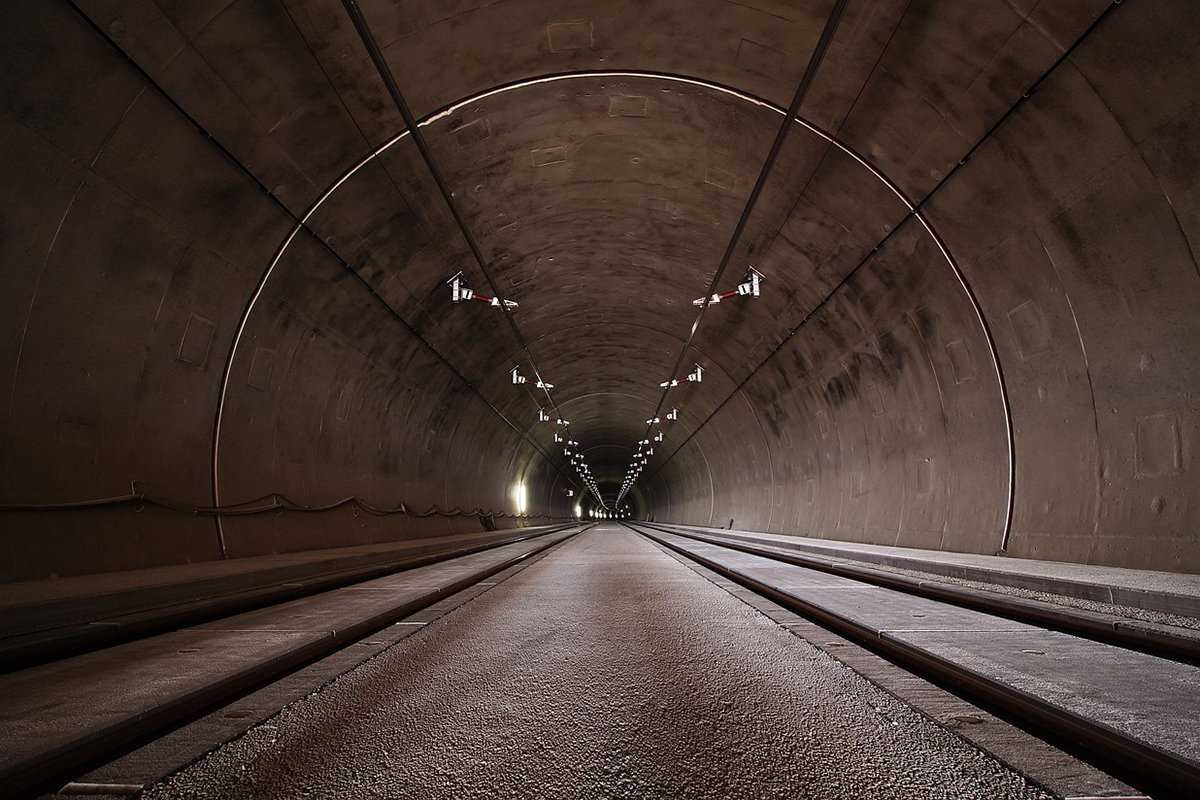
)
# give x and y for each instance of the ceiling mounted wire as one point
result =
(914, 212)
(363, 28)
(806, 80)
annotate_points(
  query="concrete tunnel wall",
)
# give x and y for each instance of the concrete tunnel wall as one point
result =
(1013, 368)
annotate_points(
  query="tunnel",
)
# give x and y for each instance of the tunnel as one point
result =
(298, 276)
(227, 269)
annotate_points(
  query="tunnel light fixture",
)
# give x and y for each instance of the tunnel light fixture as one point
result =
(652, 421)
(658, 437)
(518, 378)
(543, 416)
(459, 292)
(750, 287)
(673, 415)
(695, 376)
(557, 439)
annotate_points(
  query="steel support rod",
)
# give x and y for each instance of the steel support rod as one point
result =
(810, 72)
(393, 88)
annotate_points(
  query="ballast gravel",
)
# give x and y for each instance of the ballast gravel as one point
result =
(605, 670)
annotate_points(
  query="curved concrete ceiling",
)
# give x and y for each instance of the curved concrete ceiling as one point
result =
(227, 267)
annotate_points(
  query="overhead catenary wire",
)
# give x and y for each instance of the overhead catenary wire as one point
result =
(363, 28)
(300, 223)
(806, 80)
(914, 212)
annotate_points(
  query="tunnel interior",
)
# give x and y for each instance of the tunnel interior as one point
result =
(230, 326)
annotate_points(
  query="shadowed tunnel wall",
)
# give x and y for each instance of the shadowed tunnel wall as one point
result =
(224, 273)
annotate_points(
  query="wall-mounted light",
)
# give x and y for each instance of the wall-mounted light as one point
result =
(459, 292)
(695, 376)
(750, 287)
(518, 494)
(518, 378)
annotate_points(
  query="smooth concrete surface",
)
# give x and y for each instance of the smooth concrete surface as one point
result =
(1171, 592)
(79, 701)
(606, 669)
(1150, 699)
(27, 606)
(225, 271)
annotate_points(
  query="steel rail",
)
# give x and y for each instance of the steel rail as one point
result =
(1107, 628)
(1174, 776)
(84, 635)
(47, 771)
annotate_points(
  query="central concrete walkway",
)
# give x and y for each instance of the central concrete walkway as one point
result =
(606, 669)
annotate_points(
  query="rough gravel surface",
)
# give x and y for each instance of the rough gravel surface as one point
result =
(605, 670)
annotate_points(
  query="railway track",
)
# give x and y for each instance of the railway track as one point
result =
(66, 716)
(1123, 697)
(1119, 698)
(65, 632)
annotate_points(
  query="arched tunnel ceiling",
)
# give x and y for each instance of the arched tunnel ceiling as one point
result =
(601, 154)
(603, 202)
(606, 243)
